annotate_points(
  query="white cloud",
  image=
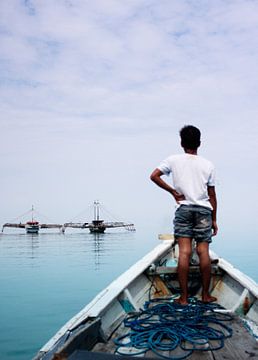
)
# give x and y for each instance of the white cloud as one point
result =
(102, 87)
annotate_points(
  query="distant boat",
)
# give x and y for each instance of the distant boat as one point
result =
(32, 226)
(116, 321)
(97, 225)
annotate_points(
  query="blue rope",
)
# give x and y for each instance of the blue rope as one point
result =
(166, 325)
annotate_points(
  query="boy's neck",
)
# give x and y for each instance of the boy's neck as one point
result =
(190, 151)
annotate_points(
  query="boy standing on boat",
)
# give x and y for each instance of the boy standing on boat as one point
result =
(195, 218)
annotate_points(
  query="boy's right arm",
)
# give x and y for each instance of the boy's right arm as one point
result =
(156, 178)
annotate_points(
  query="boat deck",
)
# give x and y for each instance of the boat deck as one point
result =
(242, 345)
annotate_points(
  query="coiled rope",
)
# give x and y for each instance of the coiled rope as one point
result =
(166, 326)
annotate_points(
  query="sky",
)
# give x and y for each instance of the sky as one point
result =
(94, 93)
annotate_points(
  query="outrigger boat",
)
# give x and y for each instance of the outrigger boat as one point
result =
(136, 315)
(98, 225)
(32, 226)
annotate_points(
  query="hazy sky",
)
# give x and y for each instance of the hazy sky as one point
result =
(94, 92)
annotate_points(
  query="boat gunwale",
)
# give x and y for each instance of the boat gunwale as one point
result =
(237, 274)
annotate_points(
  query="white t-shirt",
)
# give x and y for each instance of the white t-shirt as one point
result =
(191, 174)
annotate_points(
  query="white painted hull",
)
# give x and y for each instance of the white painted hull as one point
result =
(236, 292)
(32, 229)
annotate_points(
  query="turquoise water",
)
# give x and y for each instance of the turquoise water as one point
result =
(47, 278)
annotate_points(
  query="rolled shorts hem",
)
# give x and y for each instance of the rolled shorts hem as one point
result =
(208, 240)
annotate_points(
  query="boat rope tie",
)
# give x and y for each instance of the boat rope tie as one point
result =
(174, 331)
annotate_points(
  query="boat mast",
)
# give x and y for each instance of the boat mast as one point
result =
(96, 210)
(32, 210)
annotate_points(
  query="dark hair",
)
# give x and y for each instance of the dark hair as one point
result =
(190, 137)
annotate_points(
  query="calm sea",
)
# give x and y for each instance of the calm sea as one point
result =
(47, 278)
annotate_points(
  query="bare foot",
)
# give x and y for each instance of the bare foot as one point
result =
(208, 299)
(181, 301)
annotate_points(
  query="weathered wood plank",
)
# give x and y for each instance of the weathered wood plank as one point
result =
(203, 355)
(161, 289)
(241, 345)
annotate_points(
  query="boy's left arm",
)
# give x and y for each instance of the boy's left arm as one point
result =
(213, 201)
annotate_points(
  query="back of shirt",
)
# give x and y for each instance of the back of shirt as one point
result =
(191, 175)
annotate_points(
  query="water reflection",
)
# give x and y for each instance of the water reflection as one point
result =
(98, 241)
(34, 244)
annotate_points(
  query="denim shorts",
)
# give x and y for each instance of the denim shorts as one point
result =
(193, 221)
